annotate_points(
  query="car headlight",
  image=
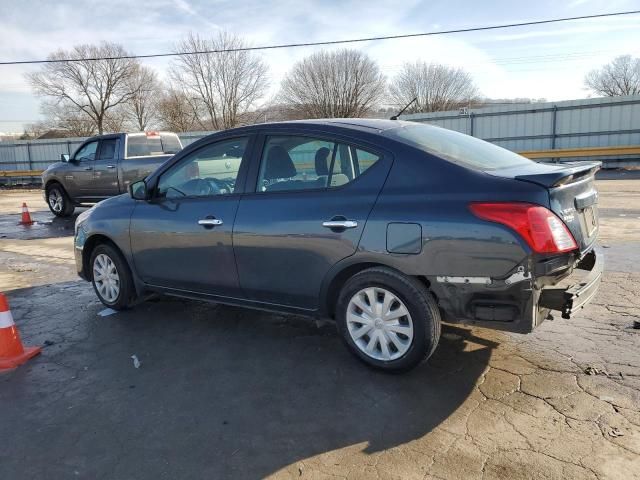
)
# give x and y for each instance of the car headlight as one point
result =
(82, 218)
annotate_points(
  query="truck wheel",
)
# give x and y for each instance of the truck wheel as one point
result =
(388, 320)
(111, 277)
(59, 202)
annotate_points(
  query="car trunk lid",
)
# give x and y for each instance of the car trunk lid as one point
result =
(572, 194)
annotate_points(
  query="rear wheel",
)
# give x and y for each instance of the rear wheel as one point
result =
(59, 202)
(111, 277)
(388, 320)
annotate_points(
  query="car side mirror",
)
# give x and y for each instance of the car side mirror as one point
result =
(138, 190)
(64, 157)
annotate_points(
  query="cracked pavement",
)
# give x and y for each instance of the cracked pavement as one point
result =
(225, 392)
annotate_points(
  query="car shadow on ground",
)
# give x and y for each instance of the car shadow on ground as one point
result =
(221, 391)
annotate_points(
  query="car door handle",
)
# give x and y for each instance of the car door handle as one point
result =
(88, 169)
(210, 222)
(340, 224)
(111, 166)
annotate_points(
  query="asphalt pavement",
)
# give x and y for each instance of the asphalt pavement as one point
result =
(223, 392)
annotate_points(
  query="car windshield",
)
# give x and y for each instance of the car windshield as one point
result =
(458, 148)
(146, 145)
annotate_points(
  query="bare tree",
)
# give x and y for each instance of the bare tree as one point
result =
(93, 87)
(142, 107)
(66, 118)
(118, 119)
(221, 87)
(436, 87)
(620, 77)
(176, 112)
(342, 83)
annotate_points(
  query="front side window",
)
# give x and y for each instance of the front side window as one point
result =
(302, 163)
(87, 153)
(210, 170)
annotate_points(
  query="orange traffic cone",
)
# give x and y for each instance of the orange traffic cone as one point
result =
(12, 352)
(26, 216)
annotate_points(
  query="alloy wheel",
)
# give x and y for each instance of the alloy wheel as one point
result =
(56, 201)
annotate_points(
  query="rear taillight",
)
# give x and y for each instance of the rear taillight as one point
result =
(543, 231)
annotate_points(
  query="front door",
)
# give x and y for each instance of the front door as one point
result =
(308, 210)
(181, 238)
(78, 176)
(105, 169)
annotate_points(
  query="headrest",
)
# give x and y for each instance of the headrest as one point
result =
(322, 167)
(279, 164)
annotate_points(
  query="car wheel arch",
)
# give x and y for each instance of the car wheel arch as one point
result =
(90, 245)
(54, 183)
(340, 273)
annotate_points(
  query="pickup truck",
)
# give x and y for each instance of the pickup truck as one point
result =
(104, 166)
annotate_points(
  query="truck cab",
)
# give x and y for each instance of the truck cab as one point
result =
(104, 166)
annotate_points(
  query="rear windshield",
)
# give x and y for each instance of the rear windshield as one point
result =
(147, 145)
(458, 148)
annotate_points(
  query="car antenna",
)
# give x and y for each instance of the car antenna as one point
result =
(395, 117)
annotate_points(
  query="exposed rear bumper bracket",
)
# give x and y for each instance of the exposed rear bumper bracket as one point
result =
(570, 299)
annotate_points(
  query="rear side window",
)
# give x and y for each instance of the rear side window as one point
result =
(108, 149)
(149, 145)
(458, 148)
(302, 163)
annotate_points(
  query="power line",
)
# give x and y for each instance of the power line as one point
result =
(330, 42)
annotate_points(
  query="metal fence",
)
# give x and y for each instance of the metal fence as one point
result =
(596, 122)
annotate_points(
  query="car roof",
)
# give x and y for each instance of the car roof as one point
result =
(369, 125)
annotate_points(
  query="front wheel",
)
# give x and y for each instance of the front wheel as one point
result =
(388, 320)
(59, 202)
(111, 277)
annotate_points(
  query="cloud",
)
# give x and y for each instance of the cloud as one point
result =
(33, 32)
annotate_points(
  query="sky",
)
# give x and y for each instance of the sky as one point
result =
(547, 61)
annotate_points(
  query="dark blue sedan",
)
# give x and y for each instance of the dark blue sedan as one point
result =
(388, 227)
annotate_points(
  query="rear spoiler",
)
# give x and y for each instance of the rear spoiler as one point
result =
(569, 173)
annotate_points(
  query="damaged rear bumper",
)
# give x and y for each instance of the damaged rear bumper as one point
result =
(571, 298)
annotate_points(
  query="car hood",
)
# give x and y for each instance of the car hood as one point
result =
(55, 166)
(118, 201)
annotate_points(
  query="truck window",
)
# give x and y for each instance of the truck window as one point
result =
(148, 145)
(170, 143)
(87, 152)
(107, 149)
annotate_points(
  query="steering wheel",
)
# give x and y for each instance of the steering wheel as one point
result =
(200, 187)
(219, 185)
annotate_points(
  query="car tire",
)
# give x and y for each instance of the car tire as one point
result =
(59, 202)
(111, 277)
(416, 334)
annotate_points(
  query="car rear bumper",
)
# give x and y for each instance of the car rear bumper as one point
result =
(571, 298)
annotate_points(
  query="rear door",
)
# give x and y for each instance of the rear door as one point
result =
(105, 169)
(181, 238)
(310, 201)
